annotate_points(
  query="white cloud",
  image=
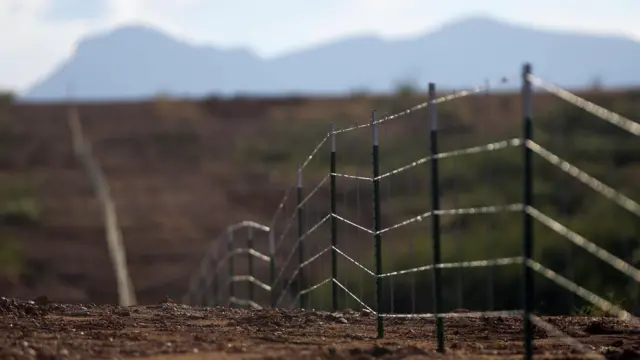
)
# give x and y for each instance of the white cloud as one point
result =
(29, 46)
(33, 46)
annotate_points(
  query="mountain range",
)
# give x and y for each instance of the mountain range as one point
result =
(138, 61)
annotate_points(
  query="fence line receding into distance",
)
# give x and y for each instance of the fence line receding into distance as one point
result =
(214, 282)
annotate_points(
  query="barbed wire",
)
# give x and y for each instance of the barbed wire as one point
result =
(297, 271)
(462, 264)
(597, 110)
(353, 224)
(288, 224)
(251, 279)
(499, 145)
(280, 207)
(449, 97)
(353, 261)
(553, 331)
(451, 315)
(591, 247)
(587, 295)
(461, 211)
(315, 151)
(586, 179)
(353, 296)
(313, 192)
(297, 243)
(314, 287)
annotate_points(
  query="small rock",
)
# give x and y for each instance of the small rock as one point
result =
(42, 300)
(123, 312)
(83, 312)
(617, 343)
(597, 328)
(379, 351)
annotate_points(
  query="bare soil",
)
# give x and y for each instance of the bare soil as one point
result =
(42, 329)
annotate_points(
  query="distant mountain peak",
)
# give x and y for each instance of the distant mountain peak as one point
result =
(131, 33)
(477, 20)
(473, 24)
(138, 60)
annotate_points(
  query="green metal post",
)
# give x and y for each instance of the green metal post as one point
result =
(377, 223)
(272, 266)
(435, 218)
(250, 263)
(216, 289)
(301, 283)
(334, 223)
(230, 262)
(527, 234)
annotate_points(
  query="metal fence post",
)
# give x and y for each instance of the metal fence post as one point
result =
(215, 280)
(435, 218)
(272, 266)
(250, 262)
(230, 264)
(301, 283)
(334, 223)
(377, 222)
(208, 288)
(527, 228)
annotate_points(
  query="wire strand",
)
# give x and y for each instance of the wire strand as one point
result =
(461, 211)
(251, 279)
(352, 224)
(456, 265)
(313, 153)
(310, 289)
(455, 315)
(296, 272)
(594, 299)
(455, 95)
(353, 261)
(586, 179)
(597, 110)
(553, 331)
(353, 296)
(313, 192)
(594, 249)
(295, 246)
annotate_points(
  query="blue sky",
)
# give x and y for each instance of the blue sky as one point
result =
(37, 35)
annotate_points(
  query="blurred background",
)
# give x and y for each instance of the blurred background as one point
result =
(197, 113)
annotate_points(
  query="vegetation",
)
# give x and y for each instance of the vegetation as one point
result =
(18, 207)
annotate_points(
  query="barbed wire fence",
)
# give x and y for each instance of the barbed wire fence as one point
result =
(338, 202)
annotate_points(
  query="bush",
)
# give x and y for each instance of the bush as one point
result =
(7, 97)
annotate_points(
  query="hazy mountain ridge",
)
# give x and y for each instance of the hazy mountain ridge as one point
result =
(135, 61)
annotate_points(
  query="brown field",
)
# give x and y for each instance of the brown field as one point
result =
(178, 172)
(45, 330)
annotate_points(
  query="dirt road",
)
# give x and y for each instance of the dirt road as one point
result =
(44, 330)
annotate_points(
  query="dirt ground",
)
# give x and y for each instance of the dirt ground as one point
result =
(42, 329)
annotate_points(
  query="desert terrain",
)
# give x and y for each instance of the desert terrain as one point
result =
(44, 330)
